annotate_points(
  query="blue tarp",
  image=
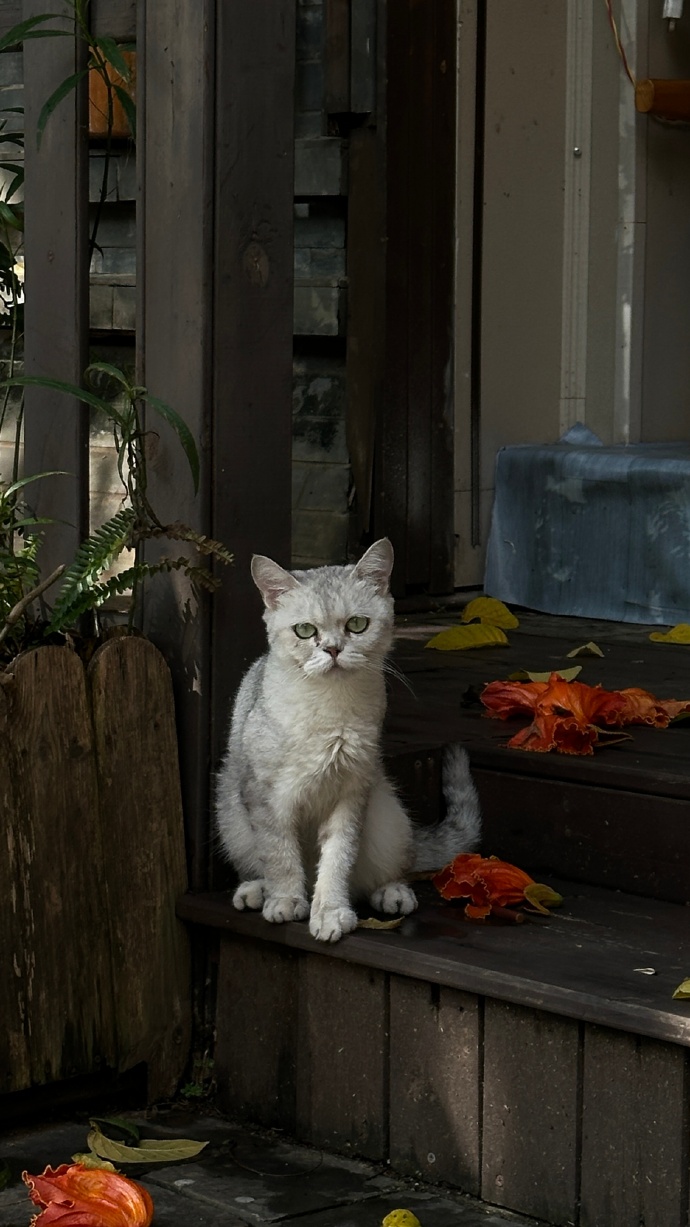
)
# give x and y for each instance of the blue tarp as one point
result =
(594, 531)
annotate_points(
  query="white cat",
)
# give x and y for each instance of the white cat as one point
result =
(304, 807)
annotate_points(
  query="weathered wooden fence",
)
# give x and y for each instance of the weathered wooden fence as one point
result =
(94, 965)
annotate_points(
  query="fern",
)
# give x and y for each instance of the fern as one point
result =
(81, 584)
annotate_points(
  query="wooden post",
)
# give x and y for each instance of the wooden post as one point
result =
(174, 332)
(56, 429)
(252, 392)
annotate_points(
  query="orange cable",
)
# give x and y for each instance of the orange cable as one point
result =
(619, 46)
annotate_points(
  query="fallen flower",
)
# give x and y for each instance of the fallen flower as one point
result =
(76, 1196)
(490, 885)
(571, 717)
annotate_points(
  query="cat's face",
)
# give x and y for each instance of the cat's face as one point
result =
(331, 618)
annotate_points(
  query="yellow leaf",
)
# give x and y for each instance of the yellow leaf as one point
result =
(677, 634)
(490, 611)
(372, 922)
(542, 897)
(88, 1159)
(585, 649)
(527, 675)
(457, 638)
(682, 993)
(401, 1218)
(154, 1150)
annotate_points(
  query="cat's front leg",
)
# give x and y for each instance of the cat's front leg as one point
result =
(285, 894)
(332, 914)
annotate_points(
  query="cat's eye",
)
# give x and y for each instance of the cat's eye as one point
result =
(357, 624)
(304, 630)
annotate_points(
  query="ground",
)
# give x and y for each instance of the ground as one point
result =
(246, 1177)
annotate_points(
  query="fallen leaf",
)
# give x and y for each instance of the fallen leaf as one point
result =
(586, 649)
(372, 922)
(457, 638)
(542, 897)
(491, 612)
(528, 675)
(151, 1150)
(88, 1159)
(127, 1127)
(677, 634)
(682, 993)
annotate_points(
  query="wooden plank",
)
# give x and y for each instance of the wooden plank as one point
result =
(634, 1131)
(174, 341)
(15, 1070)
(252, 327)
(443, 320)
(392, 454)
(363, 56)
(530, 1112)
(257, 1032)
(365, 306)
(59, 866)
(138, 781)
(435, 1080)
(56, 311)
(580, 964)
(602, 836)
(336, 56)
(342, 1058)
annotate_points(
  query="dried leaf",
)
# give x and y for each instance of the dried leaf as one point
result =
(491, 612)
(88, 1159)
(457, 638)
(682, 993)
(528, 675)
(542, 897)
(586, 649)
(372, 922)
(151, 1150)
(677, 634)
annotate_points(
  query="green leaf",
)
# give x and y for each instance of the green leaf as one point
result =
(87, 1159)
(154, 1150)
(26, 481)
(70, 389)
(9, 217)
(112, 53)
(182, 431)
(26, 29)
(458, 638)
(129, 107)
(55, 99)
(542, 897)
(682, 993)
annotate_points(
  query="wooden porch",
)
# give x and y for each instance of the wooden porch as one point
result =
(537, 1066)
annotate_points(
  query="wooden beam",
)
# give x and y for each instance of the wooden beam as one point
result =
(56, 310)
(252, 392)
(174, 150)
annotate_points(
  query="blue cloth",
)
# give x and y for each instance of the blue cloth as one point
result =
(593, 531)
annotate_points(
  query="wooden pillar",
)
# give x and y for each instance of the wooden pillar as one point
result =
(252, 326)
(56, 311)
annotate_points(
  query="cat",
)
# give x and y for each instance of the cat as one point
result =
(303, 804)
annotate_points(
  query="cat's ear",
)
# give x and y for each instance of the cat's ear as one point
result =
(377, 564)
(271, 580)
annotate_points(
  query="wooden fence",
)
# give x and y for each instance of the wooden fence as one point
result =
(94, 965)
(214, 154)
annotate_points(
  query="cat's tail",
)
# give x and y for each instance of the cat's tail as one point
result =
(460, 830)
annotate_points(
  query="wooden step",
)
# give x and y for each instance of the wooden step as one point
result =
(534, 1065)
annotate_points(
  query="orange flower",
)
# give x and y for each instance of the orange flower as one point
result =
(566, 714)
(486, 881)
(78, 1196)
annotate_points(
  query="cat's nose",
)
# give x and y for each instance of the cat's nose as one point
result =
(333, 651)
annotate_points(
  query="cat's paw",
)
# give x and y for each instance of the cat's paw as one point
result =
(281, 908)
(328, 924)
(250, 895)
(395, 897)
